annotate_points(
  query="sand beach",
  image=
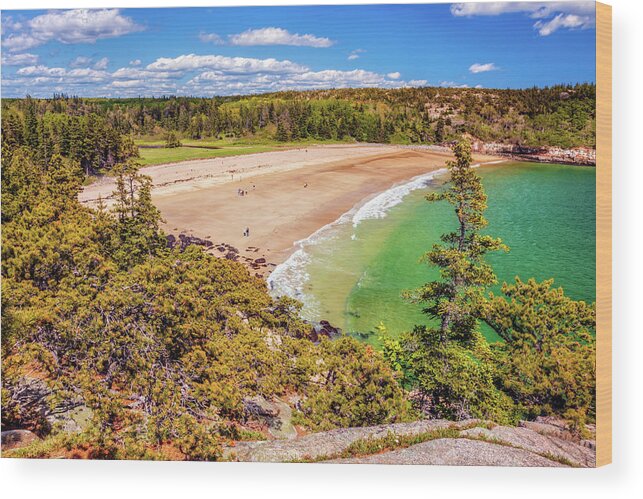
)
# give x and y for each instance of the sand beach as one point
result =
(287, 195)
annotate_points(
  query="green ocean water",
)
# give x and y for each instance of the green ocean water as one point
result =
(354, 275)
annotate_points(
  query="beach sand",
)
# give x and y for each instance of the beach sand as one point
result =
(290, 194)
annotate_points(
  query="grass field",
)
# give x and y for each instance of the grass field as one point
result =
(227, 147)
(174, 155)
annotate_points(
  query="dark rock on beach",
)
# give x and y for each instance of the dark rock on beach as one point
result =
(324, 328)
(183, 241)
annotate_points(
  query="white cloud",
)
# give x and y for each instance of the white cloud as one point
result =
(193, 75)
(132, 73)
(127, 84)
(19, 42)
(101, 63)
(277, 36)
(569, 21)
(453, 84)
(80, 61)
(482, 68)
(238, 65)
(536, 9)
(213, 83)
(41, 71)
(9, 24)
(43, 74)
(552, 15)
(20, 59)
(211, 38)
(70, 26)
(355, 54)
(82, 25)
(83, 62)
(135, 62)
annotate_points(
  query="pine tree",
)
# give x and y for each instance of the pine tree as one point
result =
(172, 140)
(451, 364)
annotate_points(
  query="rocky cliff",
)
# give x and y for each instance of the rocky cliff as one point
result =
(583, 156)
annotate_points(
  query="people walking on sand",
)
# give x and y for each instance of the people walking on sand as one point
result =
(246, 232)
(305, 185)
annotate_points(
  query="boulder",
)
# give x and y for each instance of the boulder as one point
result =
(15, 439)
(472, 445)
(185, 240)
(70, 420)
(324, 328)
(275, 414)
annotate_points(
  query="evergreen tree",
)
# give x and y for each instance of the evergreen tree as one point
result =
(172, 140)
(450, 364)
(138, 233)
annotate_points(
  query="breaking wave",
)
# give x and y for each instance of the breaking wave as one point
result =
(291, 277)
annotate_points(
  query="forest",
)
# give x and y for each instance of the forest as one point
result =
(162, 348)
(99, 133)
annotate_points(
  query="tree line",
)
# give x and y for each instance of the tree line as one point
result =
(561, 115)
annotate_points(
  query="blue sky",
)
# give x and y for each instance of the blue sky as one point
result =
(224, 51)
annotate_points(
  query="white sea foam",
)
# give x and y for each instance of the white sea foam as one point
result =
(378, 206)
(290, 277)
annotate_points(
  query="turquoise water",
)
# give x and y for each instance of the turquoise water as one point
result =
(354, 274)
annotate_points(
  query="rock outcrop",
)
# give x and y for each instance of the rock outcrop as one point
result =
(15, 439)
(455, 452)
(470, 443)
(575, 156)
(275, 414)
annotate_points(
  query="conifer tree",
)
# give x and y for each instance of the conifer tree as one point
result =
(450, 363)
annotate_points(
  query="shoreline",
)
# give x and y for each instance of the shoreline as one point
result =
(281, 277)
(289, 195)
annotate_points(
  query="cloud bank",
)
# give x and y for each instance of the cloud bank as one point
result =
(268, 36)
(551, 16)
(68, 26)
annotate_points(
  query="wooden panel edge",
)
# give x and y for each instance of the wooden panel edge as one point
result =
(603, 234)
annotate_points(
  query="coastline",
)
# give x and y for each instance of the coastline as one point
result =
(289, 195)
(289, 276)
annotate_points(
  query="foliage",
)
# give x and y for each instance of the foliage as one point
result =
(162, 345)
(547, 360)
(88, 130)
(352, 387)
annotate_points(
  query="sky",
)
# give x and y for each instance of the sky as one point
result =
(246, 50)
